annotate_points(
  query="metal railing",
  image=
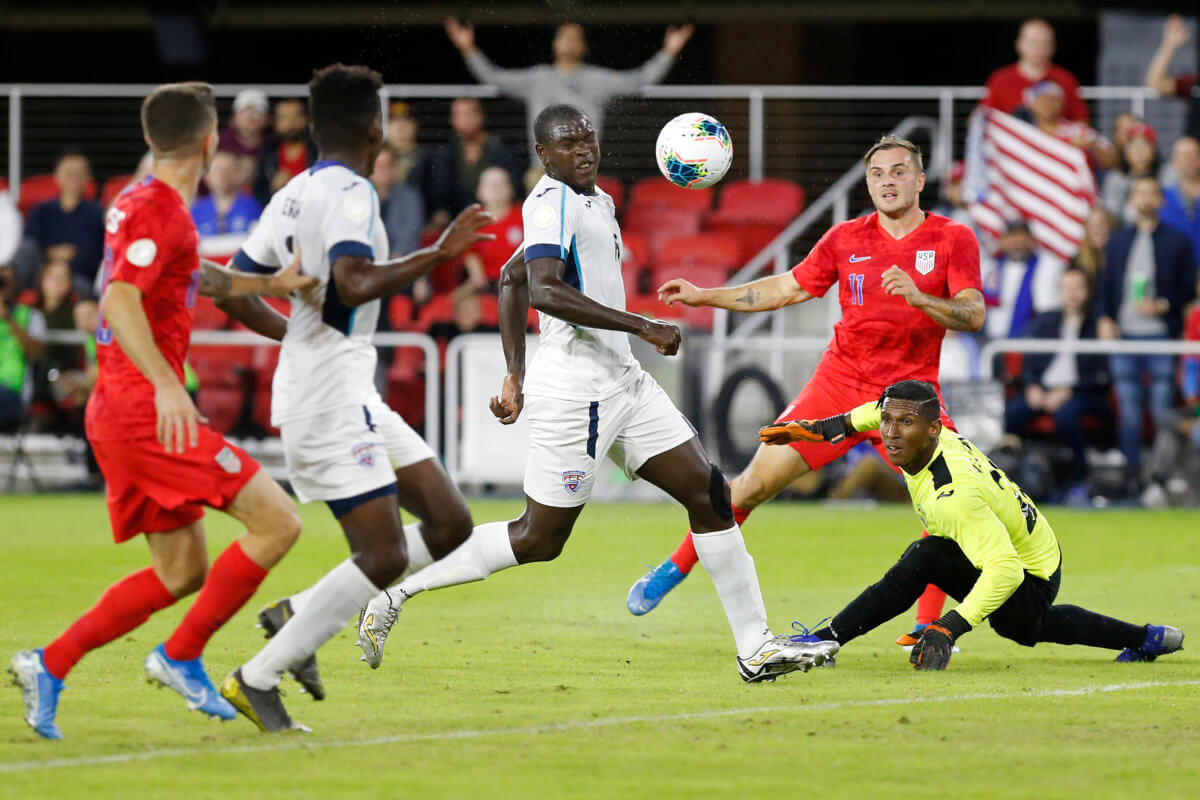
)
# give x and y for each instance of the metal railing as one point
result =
(426, 344)
(988, 353)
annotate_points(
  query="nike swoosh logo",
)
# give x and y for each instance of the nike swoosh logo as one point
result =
(855, 259)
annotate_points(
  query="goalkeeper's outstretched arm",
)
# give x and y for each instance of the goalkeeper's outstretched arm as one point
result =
(831, 429)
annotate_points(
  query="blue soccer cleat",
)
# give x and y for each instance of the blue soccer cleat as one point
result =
(651, 588)
(39, 690)
(806, 636)
(189, 679)
(1160, 640)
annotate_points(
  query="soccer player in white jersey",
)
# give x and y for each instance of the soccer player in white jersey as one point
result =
(589, 398)
(343, 445)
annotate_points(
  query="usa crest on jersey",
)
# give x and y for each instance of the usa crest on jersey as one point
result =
(925, 261)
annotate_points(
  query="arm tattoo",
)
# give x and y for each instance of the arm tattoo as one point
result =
(214, 282)
(749, 298)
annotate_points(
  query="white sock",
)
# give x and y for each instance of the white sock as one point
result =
(724, 556)
(486, 550)
(419, 558)
(333, 600)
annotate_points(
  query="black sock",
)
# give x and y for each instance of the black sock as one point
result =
(1065, 624)
(825, 634)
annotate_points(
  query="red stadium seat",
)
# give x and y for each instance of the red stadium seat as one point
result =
(208, 316)
(702, 276)
(700, 250)
(769, 199)
(264, 360)
(615, 189)
(658, 193)
(440, 308)
(40, 188)
(489, 310)
(222, 405)
(406, 385)
(113, 187)
(658, 226)
(3, 184)
(751, 236)
(221, 364)
(636, 251)
(400, 312)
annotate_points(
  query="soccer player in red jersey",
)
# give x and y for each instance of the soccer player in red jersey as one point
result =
(904, 277)
(161, 463)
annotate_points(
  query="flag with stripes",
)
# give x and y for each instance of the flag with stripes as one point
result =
(1016, 171)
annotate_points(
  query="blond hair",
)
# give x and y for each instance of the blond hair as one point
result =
(887, 142)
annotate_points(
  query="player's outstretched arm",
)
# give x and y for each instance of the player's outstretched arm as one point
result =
(220, 283)
(1175, 36)
(514, 314)
(255, 314)
(764, 294)
(177, 415)
(550, 294)
(963, 312)
(361, 280)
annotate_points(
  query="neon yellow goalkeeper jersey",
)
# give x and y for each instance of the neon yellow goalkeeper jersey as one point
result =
(961, 495)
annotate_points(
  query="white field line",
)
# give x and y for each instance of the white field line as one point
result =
(301, 742)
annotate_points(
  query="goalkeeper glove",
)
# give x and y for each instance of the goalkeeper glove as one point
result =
(933, 649)
(831, 429)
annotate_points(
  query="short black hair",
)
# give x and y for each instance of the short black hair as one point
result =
(919, 392)
(343, 101)
(550, 116)
(176, 117)
(70, 152)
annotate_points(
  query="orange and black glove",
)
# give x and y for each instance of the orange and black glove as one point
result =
(933, 649)
(830, 429)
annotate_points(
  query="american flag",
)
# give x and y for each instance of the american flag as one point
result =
(1015, 171)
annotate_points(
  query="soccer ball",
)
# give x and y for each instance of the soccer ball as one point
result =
(694, 151)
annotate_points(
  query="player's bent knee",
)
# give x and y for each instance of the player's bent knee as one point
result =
(719, 495)
(1021, 632)
(383, 563)
(530, 545)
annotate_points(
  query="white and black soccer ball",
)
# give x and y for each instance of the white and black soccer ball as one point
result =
(694, 151)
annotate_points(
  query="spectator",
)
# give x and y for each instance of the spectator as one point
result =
(400, 206)
(485, 259)
(1122, 124)
(246, 134)
(71, 219)
(11, 227)
(1035, 48)
(78, 383)
(1019, 284)
(1044, 103)
(1175, 36)
(568, 79)
(225, 216)
(954, 205)
(22, 339)
(55, 300)
(1097, 229)
(1139, 157)
(1149, 278)
(290, 152)
(467, 317)
(1067, 386)
(413, 161)
(1181, 202)
(459, 163)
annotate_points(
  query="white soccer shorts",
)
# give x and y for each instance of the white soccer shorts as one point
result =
(568, 438)
(349, 451)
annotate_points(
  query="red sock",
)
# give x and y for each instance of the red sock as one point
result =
(124, 606)
(931, 602)
(231, 581)
(685, 556)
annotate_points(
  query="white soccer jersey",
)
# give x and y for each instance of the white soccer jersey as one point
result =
(327, 360)
(574, 362)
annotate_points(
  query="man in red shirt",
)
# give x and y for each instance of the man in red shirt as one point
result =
(904, 277)
(162, 464)
(1035, 48)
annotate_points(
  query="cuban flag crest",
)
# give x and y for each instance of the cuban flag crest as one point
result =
(364, 454)
(573, 479)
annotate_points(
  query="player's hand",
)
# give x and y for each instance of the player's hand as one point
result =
(676, 37)
(463, 233)
(677, 290)
(461, 36)
(507, 407)
(178, 419)
(289, 279)
(663, 335)
(899, 283)
(831, 429)
(1175, 32)
(933, 649)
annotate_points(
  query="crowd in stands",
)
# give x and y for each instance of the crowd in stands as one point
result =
(1134, 277)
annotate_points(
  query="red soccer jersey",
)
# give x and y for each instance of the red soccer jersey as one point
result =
(881, 339)
(149, 241)
(509, 232)
(1006, 86)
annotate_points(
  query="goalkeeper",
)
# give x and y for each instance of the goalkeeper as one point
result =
(989, 547)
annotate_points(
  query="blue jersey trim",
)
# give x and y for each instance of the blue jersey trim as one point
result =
(543, 251)
(245, 263)
(593, 428)
(350, 248)
(341, 508)
(326, 162)
(334, 312)
(573, 275)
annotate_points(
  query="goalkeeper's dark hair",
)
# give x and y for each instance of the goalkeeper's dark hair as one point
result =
(550, 116)
(919, 392)
(343, 101)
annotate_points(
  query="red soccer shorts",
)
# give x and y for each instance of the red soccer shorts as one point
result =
(822, 398)
(152, 491)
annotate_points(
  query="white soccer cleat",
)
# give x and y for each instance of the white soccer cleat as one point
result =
(374, 623)
(780, 655)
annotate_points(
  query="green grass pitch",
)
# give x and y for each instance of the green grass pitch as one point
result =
(539, 684)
